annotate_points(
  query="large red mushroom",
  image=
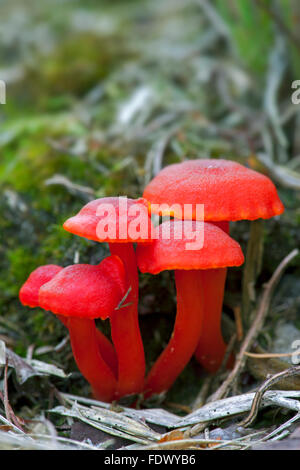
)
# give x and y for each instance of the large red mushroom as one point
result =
(173, 249)
(229, 192)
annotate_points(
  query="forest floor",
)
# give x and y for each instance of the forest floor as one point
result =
(101, 96)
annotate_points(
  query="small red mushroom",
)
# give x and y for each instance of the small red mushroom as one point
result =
(29, 296)
(172, 253)
(229, 192)
(120, 222)
(78, 294)
(29, 292)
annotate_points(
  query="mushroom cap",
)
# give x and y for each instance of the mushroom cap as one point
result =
(85, 291)
(29, 292)
(127, 220)
(170, 252)
(228, 190)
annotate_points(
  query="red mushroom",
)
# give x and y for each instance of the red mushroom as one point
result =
(78, 294)
(229, 192)
(29, 292)
(29, 296)
(120, 222)
(172, 253)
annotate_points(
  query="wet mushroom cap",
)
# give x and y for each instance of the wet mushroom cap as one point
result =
(29, 292)
(85, 291)
(127, 220)
(171, 253)
(228, 190)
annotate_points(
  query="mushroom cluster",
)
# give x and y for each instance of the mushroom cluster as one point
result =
(194, 244)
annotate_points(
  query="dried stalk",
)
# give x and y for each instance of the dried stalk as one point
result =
(263, 388)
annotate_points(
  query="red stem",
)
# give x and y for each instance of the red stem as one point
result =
(89, 360)
(106, 349)
(125, 330)
(185, 336)
(211, 348)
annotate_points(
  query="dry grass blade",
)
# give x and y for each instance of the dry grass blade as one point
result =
(270, 355)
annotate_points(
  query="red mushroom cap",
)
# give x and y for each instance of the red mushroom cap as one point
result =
(85, 291)
(218, 251)
(29, 292)
(228, 190)
(127, 220)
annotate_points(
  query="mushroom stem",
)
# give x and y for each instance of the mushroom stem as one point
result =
(106, 349)
(88, 358)
(185, 336)
(211, 348)
(125, 330)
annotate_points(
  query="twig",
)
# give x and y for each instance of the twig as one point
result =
(255, 328)
(263, 388)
